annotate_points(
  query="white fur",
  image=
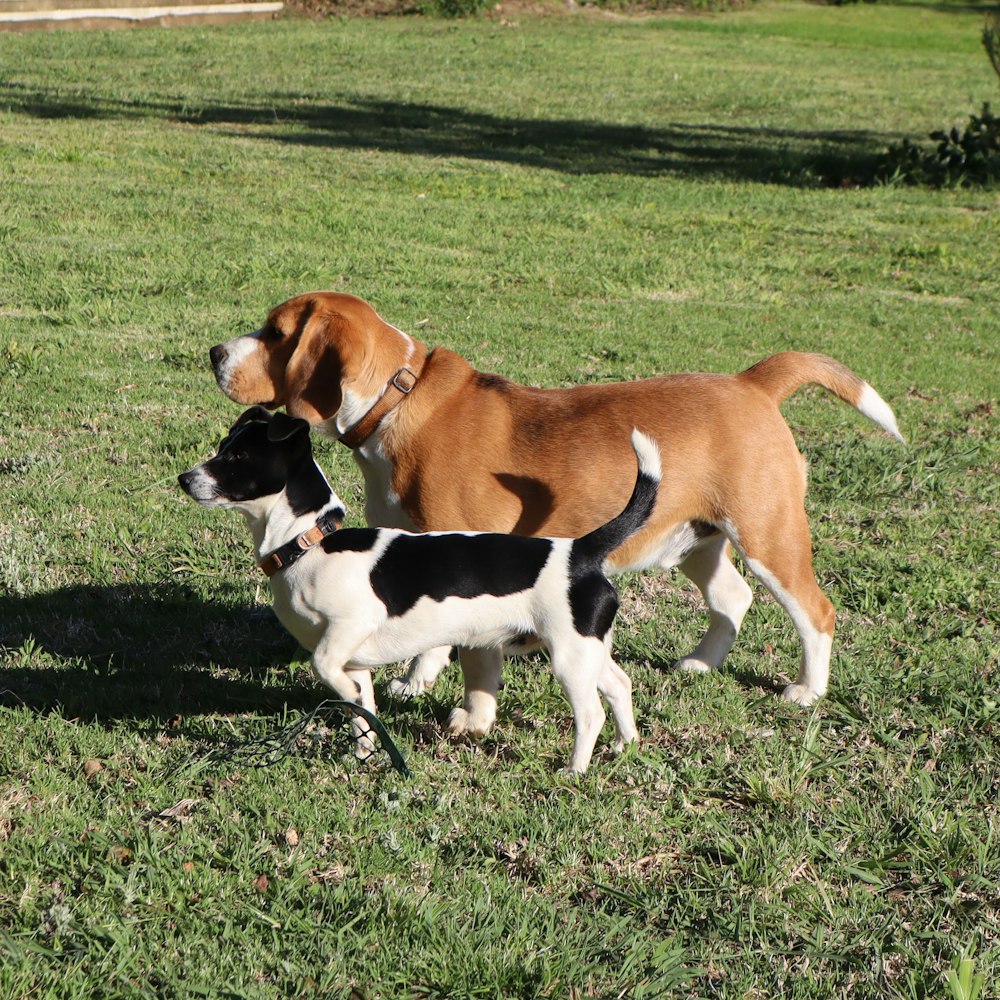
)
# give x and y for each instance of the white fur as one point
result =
(326, 601)
(352, 409)
(814, 668)
(874, 407)
(203, 489)
(237, 351)
(647, 453)
(421, 673)
(728, 597)
(382, 504)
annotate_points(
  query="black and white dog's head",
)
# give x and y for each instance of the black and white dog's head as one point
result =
(264, 456)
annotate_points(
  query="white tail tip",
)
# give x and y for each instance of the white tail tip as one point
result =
(874, 407)
(648, 454)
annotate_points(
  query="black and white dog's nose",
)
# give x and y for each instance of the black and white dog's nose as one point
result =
(218, 354)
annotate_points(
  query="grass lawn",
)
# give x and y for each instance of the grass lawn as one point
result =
(563, 199)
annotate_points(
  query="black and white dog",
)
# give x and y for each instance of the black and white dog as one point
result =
(362, 597)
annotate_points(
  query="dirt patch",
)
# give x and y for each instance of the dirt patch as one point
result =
(506, 12)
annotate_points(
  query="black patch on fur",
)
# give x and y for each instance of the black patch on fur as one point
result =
(488, 380)
(306, 489)
(350, 540)
(594, 603)
(455, 565)
(592, 549)
(250, 465)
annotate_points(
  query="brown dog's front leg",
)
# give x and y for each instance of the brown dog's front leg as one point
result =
(421, 673)
(481, 670)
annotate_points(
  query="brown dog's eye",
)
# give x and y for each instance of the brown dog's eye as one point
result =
(273, 333)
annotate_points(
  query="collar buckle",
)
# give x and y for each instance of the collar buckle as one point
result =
(396, 390)
(290, 552)
(404, 380)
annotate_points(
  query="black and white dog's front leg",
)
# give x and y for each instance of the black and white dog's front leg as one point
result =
(331, 662)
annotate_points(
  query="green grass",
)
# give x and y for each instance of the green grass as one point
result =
(566, 200)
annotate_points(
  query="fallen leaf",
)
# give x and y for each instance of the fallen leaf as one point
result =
(179, 810)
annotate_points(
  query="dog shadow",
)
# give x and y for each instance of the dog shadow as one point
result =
(664, 662)
(143, 652)
(536, 498)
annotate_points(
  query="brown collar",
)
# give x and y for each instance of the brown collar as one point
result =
(292, 551)
(396, 390)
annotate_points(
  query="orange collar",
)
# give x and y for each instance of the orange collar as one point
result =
(396, 390)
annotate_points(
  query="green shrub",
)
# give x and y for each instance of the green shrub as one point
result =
(962, 158)
(454, 8)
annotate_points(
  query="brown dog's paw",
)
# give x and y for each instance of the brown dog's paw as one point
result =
(463, 722)
(801, 695)
(404, 688)
(692, 665)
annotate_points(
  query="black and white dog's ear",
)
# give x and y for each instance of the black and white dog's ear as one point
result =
(254, 414)
(283, 427)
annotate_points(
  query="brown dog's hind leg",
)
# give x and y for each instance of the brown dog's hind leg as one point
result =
(781, 558)
(710, 568)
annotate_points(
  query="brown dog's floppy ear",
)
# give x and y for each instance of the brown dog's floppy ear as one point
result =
(282, 427)
(315, 371)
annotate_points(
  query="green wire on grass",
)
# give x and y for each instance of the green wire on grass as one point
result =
(279, 745)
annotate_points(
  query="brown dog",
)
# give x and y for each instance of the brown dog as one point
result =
(444, 447)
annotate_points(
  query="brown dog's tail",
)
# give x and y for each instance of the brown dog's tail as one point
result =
(781, 374)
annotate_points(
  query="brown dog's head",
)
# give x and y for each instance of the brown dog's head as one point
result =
(313, 353)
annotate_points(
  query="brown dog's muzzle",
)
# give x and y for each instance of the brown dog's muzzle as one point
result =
(217, 355)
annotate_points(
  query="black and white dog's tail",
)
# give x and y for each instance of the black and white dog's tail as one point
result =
(601, 542)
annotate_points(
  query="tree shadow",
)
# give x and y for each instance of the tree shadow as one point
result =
(793, 157)
(939, 7)
(146, 652)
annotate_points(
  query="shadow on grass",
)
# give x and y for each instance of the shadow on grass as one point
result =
(774, 155)
(141, 652)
